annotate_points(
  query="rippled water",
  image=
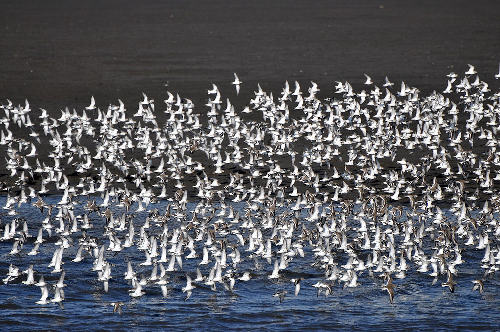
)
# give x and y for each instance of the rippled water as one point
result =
(418, 304)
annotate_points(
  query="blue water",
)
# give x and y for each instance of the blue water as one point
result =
(418, 303)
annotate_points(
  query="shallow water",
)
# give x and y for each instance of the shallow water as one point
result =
(418, 303)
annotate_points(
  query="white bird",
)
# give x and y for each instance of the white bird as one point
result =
(33, 151)
(58, 296)
(60, 282)
(214, 90)
(92, 104)
(275, 273)
(368, 80)
(44, 114)
(448, 87)
(471, 70)
(12, 274)
(79, 255)
(41, 282)
(164, 290)
(296, 282)
(387, 82)
(137, 291)
(245, 276)
(45, 295)
(189, 287)
(130, 274)
(146, 101)
(30, 280)
(237, 83)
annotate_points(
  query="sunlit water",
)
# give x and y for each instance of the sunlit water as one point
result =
(418, 303)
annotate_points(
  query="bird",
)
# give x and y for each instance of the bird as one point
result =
(388, 83)
(245, 277)
(137, 291)
(478, 285)
(92, 106)
(58, 296)
(236, 83)
(275, 273)
(368, 80)
(189, 287)
(117, 307)
(164, 290)
(45, 295)
(471, 70)
(30, 280)
(214, 89)
(448, 87)
(296, 282)
(389, 286)
(281, 295)
(12, 274)
(449, 283)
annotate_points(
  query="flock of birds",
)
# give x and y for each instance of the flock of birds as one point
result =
(375, 184)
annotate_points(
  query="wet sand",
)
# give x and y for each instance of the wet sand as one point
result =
(58, 54)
